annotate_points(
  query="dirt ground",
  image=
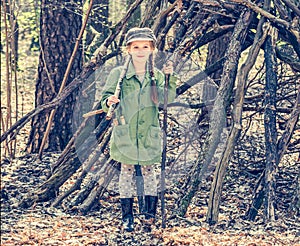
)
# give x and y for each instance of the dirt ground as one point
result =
(45, 225)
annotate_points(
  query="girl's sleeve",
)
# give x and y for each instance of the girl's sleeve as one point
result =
(171, 89)
(109, 88)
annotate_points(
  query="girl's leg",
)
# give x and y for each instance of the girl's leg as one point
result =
(150, 184)
(150, 189)
(126, 187)
(126, 190)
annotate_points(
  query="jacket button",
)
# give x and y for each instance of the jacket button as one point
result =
(141, 122)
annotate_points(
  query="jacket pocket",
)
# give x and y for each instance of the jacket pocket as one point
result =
(123, 142)
(153, 141)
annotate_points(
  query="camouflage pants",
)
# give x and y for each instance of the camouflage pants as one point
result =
(127, 178)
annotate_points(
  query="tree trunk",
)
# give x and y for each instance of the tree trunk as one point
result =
(270, 126)
(58, 32)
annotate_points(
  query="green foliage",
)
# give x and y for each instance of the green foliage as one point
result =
(26, 13)
(28, 19)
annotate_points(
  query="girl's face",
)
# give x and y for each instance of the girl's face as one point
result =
(140, 50)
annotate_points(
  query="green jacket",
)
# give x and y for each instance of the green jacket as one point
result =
(139, 140)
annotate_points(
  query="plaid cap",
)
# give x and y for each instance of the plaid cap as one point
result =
(140, 34)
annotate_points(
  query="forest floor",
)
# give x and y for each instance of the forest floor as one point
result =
(44, 225)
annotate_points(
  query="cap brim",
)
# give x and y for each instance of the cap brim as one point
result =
(139, 39)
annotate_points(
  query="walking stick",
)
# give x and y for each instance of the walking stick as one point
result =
(164, 153)
(140, 188)
(118, 88)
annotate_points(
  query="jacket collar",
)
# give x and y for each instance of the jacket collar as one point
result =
(131, 71)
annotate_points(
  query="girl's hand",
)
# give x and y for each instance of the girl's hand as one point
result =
(168, 68)
(112, 100)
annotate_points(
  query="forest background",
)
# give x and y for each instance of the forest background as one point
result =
(232, 167)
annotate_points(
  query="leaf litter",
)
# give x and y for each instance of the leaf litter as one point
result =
(45, 225)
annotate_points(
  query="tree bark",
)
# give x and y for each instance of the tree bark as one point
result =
(58, 27)
(270, 126)
(216, 50)
(98, 190)
(258, 198)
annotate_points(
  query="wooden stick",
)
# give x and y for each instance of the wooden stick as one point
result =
(91, 113)
(118, 87)
(164, 154)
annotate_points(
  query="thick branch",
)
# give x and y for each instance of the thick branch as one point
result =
(237, 124)
(270, 125)
(218, 116)
(218, 120)
(291, 123)
(292, 6)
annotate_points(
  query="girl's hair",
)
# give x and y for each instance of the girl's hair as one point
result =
(154, 92)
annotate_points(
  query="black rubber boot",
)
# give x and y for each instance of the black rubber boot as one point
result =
(127, 214)
(150, 206)
(150, 211)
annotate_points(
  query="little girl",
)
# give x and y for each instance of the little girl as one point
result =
(136, 136)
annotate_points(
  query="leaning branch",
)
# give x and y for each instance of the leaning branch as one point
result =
(264, 13)
(292, 6)
(286, 136)
(271, 17)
